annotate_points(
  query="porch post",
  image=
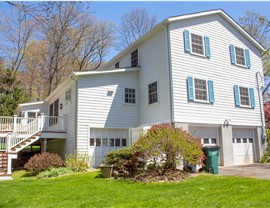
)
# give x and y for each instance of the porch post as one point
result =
(43, 145)
(15, 123)
(42, 121)
(9, 165)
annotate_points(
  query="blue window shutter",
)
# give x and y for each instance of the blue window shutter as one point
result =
(211, 91)
(232, 53)
(207, 47)
(252, 98)
(236, 95)
(187, 41)
(190, 88)
(247, 58)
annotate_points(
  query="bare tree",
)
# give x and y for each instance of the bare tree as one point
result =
(258, 26)
(16, 30)
(134, 25)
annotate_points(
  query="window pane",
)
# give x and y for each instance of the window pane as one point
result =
(244, 140)
(134, 58)
(206, 141)
(197, 44)
(240, 56)
(152, 93)
(117, 142)
(92, 142)
(200, 89)
(244, 96)
(111, 142)
(98, 142)
(238, 140)
(233, 140)
(124, 142)
(105, 142)
(213, 141)
(250, 140)
(130, 95)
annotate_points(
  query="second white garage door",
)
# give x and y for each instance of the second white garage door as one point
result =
(103, 141)
(243, 146)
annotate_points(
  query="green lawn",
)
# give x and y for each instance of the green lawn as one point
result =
(88, 190)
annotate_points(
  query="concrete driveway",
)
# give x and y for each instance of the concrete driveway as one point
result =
(256, 170)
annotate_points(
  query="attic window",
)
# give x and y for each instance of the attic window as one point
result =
(240, 56)
(116, 65)
(197, 44)
(134, 58)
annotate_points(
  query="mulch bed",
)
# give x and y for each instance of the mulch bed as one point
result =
(153, 176)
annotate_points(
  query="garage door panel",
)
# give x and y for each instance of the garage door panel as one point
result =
(243, 146)
(102, 141)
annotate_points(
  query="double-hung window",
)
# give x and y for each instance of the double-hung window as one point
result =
(244, 96)
(240, 56)
(134, 58)
(130, 96)
(200, 90)
(197, 44)
(152, 93)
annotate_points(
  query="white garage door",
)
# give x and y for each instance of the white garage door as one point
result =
(208, 135)
(243, 146)
(103, 141)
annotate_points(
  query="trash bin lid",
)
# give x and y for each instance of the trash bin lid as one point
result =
(212, 147)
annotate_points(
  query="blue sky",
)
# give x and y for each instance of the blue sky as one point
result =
(112, 11)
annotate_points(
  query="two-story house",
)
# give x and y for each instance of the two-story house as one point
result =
(199, 72)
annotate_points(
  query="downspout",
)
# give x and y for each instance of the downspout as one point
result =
(261, 110)
(170, 70)
(76, 110)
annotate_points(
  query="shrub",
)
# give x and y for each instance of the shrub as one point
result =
(266, 155)
(54, 172)
(125, 159)
(78, 162)
(43, 161)
(164, 145)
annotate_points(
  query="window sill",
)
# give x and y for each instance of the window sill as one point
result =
(130, 104)
(245, 106)
(241, 66)
(197, 54)
(202, 101)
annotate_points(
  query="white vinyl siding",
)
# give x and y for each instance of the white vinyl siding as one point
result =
(100, 104)
(218, 69)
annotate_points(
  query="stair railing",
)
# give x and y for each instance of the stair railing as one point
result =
(29, 127)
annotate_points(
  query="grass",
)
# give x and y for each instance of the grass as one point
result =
(89, 190)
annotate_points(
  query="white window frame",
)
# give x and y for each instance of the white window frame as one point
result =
(244, 106)
(157, 93)
(136, 97)
(245, 66)
(194, 91)
(210, 141)
(197, 54)
(68, 101)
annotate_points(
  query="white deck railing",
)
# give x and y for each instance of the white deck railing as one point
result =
(23, 128)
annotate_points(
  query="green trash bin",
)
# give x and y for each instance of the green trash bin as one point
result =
(211, 162)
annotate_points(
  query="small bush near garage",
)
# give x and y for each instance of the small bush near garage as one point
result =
(162, 148)
(78, 162)
(126, 161)
(266, 155)
(43, 161)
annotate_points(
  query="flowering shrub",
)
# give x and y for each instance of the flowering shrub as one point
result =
(43, 161)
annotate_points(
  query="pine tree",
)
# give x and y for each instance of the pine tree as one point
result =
(10, 92)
